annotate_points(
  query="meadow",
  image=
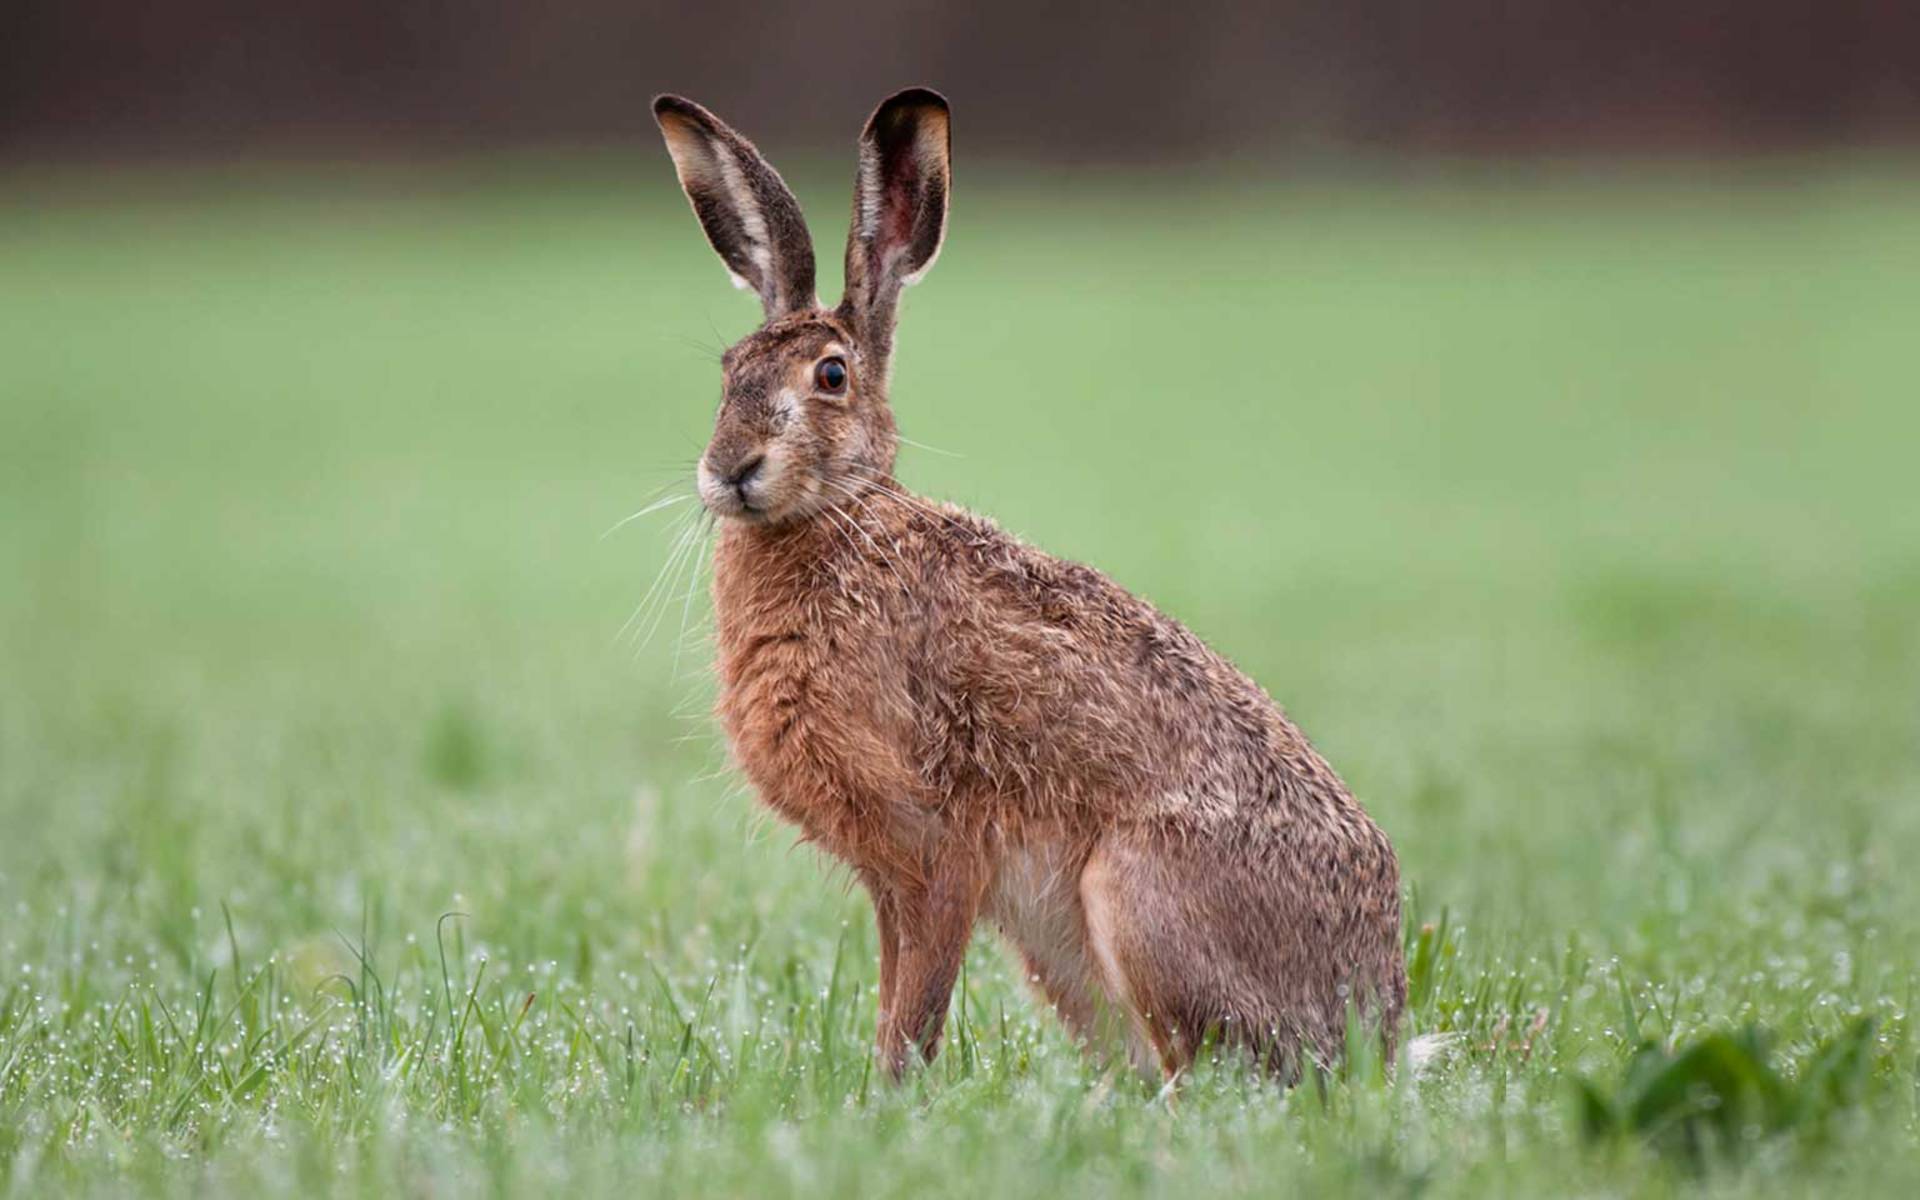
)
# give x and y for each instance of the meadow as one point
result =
(347, 844)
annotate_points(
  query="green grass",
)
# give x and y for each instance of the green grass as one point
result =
(1576, 522)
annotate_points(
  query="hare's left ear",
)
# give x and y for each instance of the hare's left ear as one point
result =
(899, 210)
(750, 216)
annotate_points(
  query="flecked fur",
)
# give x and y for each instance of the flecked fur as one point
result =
(981, 730)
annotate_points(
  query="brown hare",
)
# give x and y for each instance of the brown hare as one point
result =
(979, 729)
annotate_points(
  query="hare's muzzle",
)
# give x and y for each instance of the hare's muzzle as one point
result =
(735, 487)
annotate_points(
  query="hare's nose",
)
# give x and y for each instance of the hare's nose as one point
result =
(744, 474)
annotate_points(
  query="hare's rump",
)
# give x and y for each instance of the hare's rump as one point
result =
(1200, 942)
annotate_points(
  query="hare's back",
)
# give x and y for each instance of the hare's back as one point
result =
(1070, 686)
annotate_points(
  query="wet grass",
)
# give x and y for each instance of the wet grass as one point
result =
(344, 843)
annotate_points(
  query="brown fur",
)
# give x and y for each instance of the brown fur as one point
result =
(979, 729)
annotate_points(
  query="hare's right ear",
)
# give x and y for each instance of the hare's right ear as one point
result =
(899, 209)
(750, 216)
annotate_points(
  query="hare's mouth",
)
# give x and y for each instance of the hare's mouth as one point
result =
(750, 509)
(730, 505)
(742, 493)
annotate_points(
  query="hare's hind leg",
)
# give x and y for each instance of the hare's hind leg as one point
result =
(1141, 971)
(1035, 900)
(1202, 944)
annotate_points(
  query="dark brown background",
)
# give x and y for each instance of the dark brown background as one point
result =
(220, 78)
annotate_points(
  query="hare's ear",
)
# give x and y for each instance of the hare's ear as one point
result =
(749, 214)
(899, 209)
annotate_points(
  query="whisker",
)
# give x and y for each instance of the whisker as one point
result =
(703, 347)
(684, 526)
(844, 521)
(866, 507)
(886, 488)
(924, 446)
(686, 532)
(879, 555)
(693, 582)
(719, 340)
(688, 541)
(648, 510)
(840, 530)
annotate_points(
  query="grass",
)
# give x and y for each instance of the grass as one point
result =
(343, 846)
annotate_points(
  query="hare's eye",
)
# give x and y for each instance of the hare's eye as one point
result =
(830, 375)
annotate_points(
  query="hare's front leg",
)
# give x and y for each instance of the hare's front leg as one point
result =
(933, 919)
(886, 921)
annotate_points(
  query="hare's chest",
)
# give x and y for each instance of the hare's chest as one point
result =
(825, 739)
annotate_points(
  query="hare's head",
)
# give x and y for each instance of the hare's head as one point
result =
(803, 409)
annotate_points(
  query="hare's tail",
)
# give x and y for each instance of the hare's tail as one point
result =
(1426, 1053)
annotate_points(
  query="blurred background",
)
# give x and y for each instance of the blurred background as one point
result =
(1524, 393)
(1145, 84)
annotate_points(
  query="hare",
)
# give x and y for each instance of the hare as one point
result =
(979, 729)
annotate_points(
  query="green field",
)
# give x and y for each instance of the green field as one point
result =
(1576, 520)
